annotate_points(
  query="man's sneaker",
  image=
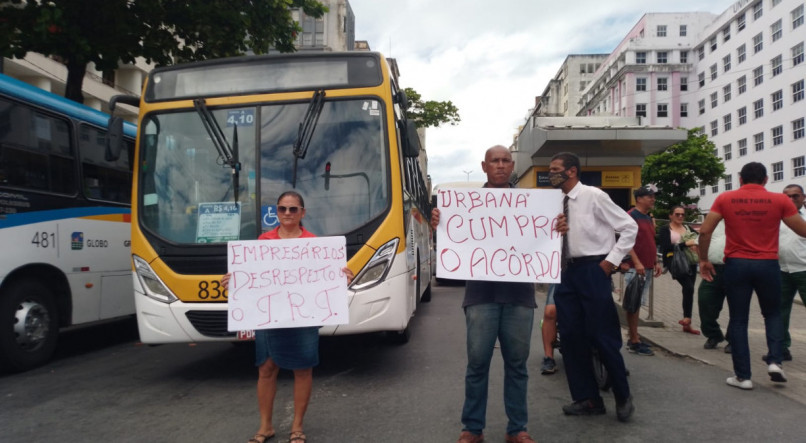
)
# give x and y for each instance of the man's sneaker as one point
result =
(712, 343)
(624, 409)
(585, 407)
(739, 383)
(776, 373)
(728, 348)
(640, 348)
(549, 366)
(785, 356)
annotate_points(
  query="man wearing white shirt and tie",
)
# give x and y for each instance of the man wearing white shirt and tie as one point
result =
(586, 314)
(792, 257)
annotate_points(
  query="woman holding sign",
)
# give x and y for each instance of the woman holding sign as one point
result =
(296, 349)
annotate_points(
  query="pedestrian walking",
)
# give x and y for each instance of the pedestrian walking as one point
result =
(792, 258)
(675, 239)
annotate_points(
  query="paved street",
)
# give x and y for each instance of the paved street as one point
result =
(669, 336)
(104, 386)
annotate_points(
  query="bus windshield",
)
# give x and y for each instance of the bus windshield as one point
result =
(343, 176)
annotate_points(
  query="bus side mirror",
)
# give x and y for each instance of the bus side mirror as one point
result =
(114, 139)
(411, 145)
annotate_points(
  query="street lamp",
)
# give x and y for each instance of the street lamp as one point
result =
(468, 174)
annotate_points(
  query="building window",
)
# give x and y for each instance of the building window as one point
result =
(701, 79)
(702, 189)
(757, 11)
(683, 56)
(741, 84)
(663, 57)
(700, 53)
(797, 91)
(640, 84)
(713, 71)
(728, 182)
(758, 141)
(683, 30)
(715, 188)
(726, 122)
(726, 63)
(741, 53)
(663, 110)
(798, 167)
(684, 83)
(742, 115)
(797, 54)
(640, 110)
(742, 147)
(663, 84)
(714, 100)
(758, 43)
(777, 65)
(712, 44)
(726, 33)
(775, 3)
(777, 171)
(797, 16)
(758, 108)
(582, 85)
(727, 150)
(640, 57)
(776, 30)
(758, 76)
(726, 93)
(777, 135)
(661, 32)
(683, 109)
(797, 129)
(701, 105)
(777, 99)
(714, 128)
(740, 22)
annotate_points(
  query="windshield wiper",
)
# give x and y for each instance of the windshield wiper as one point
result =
(227, 154)
(306, 128)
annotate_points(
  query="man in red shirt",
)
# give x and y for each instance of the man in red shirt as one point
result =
(752, 218)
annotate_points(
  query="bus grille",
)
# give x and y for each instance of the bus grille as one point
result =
(210, 323)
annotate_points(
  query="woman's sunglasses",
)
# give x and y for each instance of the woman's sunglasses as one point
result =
(291, 209)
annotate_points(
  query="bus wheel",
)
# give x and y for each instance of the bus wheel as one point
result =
(29, 326)
(399, 337)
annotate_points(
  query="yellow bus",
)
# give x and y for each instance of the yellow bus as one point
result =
(219, 141)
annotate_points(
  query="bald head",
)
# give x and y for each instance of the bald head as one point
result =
(498, 166)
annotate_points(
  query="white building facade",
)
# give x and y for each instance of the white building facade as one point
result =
(750, 70)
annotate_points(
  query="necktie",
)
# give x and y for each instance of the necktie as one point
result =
(566, 254)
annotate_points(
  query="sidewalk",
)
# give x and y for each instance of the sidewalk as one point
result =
(663, 331)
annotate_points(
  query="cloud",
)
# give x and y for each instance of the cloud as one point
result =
(492, 59)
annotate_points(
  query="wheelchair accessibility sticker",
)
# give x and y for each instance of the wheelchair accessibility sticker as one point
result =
(269, 216)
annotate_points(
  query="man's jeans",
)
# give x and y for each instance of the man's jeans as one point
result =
(512, 326)
(710, 299)
(763, 276)
(791, 282)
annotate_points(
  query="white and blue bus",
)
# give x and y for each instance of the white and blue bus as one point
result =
(64, 222)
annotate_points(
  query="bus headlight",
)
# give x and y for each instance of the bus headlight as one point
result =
(377, 268)
(152, 285)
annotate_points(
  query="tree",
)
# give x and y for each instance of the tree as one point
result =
(430, 113)
(110, 32)
(681, 168)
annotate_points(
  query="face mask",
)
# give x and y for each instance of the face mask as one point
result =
(558, 178)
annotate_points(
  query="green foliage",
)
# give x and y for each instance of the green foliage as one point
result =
(110, 32)
(430, 113)
(681, 168)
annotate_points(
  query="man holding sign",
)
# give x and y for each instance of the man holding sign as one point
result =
(264, 297)
(586, 313)
(495, 309)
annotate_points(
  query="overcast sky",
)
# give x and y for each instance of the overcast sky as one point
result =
(492, 58)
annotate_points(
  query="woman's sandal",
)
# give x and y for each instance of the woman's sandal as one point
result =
(297, 436)
(260, 438)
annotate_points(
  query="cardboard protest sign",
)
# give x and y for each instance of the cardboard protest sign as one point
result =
(287, 283)
(499, 234)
